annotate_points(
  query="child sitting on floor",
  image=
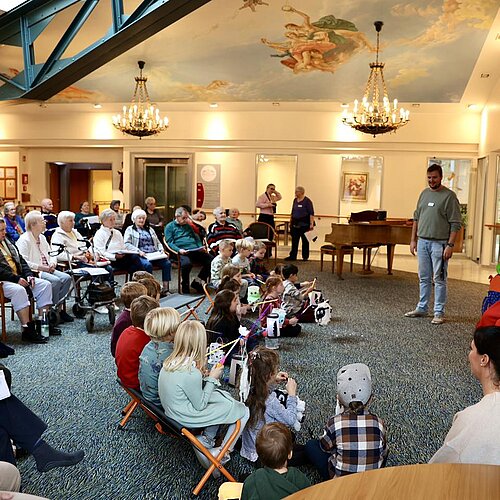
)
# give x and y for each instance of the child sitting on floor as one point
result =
(129, 292)
(263, 402)
(295, 301)
(275, 480)
(222, 259)
(243, 250)
(233, 272)
(354, 440)
(152, 286)
(257, 261)
(272, 300)
(132, 342)
(160, 326)
(234, 286)
(194, 400)
(224, 321)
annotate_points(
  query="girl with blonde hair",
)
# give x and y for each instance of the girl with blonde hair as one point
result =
(160, 326)
(193, 399)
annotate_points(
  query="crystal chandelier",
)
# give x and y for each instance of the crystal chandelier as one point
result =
(141, 118)
(372, 116)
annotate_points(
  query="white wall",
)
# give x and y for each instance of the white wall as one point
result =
(232, 139)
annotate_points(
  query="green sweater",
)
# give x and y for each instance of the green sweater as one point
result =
(181, 236)
(437, 214)
(267, 484)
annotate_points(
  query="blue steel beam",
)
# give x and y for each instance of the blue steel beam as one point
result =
(56, 74)
(67, 38)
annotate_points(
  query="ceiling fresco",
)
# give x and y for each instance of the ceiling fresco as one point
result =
(295, 50)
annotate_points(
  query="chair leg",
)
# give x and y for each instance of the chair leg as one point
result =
(4, 328)
(321, 260)
(131, 410)
(352, 258)
(127, 408)
(333, 262)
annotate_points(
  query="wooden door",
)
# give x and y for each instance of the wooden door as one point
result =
(79, 180)
(55, 187)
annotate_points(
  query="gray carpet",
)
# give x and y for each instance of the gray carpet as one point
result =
(420, 376)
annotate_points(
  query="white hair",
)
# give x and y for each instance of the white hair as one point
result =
(138, 213)
(64, 215)
(31, 219)
(106, 214)
(219, 211)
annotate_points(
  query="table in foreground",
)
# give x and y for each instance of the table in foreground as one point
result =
(412, 482)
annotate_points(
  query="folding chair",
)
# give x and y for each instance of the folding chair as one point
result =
(207, 289)
(178, 301)
(168, 426)
(175, 259)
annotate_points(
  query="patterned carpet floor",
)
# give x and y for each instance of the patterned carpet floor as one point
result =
(420, 376)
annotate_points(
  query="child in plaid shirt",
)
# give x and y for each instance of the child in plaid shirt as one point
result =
(222, 259)
(354, 439)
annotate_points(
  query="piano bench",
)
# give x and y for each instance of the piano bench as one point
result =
(332, 250)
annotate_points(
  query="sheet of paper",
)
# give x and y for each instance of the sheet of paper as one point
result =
(93, 271)
(4, 388)
(155, 256)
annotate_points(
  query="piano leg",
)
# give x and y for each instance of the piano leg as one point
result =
(340, 261)
(390, 257)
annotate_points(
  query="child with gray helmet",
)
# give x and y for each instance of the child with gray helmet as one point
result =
(354, 440)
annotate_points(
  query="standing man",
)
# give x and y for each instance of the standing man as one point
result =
(436, 222)
(181, 238)
(267, 204)
(302, 220)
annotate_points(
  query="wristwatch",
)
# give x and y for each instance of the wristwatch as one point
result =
(451, 245)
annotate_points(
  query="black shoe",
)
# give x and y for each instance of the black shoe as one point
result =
(305, 259)
(185, 289)
(164, 293)
(65, 317)
(5, 350)
(54, 331)
(290, 258)
(48, 458)
(32, 337)
(196, 285)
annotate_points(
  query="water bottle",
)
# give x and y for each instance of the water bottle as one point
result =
(45, 325)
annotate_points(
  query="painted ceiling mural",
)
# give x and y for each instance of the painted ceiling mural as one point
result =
(296, 50)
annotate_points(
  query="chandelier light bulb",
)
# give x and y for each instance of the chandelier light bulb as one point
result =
(374, 117)
(140, 118)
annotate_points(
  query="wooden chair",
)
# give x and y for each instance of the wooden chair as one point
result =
(175, 259)
(267, 234)
(207, 289)
(4, 303)
(333, 250)
(170, 427)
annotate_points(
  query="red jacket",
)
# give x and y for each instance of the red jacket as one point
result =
(128, 349)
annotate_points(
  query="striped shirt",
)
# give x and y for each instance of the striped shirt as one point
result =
(357, 443)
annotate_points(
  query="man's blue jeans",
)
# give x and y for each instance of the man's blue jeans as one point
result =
(432, 267)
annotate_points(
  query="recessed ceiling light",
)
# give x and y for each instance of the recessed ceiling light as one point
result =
(276, 104)
(97, 106)
(214, 105)
(415, 105)
(344, 105)
(59, 163)
(485, 75)
(472, 106)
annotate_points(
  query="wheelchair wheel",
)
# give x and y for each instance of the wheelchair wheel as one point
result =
(111, 314)
(89, 321)
(54, 318)
(78, 311)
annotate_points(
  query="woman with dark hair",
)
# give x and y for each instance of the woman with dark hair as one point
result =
(115, 206)
(83, 213)
(474, 437)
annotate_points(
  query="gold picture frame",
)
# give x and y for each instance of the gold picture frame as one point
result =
(355, 186)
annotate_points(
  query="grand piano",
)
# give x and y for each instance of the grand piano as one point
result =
(367, 230)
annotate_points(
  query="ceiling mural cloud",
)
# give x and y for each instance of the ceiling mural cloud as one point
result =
(294, 50)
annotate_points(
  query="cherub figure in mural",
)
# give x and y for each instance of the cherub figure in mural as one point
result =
(321, 45)
(251, 4)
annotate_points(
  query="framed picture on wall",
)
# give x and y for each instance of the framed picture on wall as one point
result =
(354, 186)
